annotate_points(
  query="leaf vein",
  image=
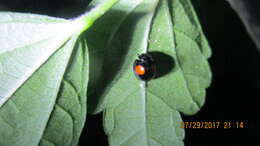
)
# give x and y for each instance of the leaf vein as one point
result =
(45, 139)
(3, 119)
(74, 89)
(73, 39)
(187, 36)
(155, 140)
(161, 99)
(130, 136)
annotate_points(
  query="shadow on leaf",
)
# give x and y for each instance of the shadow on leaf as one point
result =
(164, 63)
(109, 45)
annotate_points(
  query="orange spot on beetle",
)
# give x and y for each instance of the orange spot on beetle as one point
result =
(140, 70)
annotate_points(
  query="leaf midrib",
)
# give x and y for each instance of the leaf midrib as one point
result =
(145, 85)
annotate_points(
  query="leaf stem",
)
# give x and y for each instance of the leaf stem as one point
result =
(88, 18)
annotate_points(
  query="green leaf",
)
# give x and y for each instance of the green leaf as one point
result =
(68, 116)
(43, 78)
(41, 108)
(99, 39)
(31, 39)
(136, 113)
(28, 41)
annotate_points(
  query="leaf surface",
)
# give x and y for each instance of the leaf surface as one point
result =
(136, 113)
(43, 77)
(43, 80)
(28, 41)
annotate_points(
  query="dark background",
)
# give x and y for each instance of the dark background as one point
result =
(235, 63)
